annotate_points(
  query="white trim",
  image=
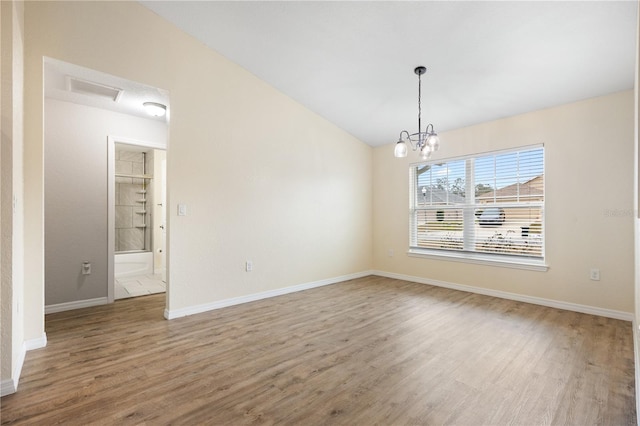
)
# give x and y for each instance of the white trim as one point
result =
(477, 259)
(76, 304)
(111, 217)
(568, 306)
(38, 343)
(480, 154)
(177, 313)
(636, 358)
(138, 142)
(8, 386)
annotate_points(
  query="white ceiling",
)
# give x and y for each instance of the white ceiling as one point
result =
(352, 62)
(133, 95)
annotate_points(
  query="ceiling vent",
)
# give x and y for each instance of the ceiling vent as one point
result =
(94, 89)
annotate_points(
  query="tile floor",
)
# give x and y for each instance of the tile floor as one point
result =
(139, 286)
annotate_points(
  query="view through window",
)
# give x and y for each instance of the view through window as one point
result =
(487, 204)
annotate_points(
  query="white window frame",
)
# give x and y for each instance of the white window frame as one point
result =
(467, 255)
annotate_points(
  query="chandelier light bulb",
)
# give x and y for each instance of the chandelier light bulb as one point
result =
(433, 141)
(401, 149)
(425, 152)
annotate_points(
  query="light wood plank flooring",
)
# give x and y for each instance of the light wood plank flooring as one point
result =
(363, 352)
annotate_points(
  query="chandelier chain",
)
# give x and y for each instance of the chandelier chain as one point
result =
(419, 103)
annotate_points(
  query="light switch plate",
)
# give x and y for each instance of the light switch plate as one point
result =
(182, 209)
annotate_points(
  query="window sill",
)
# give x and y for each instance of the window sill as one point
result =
(479, 259)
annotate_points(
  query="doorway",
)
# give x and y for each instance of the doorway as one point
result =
(138, 206)
(85, 113)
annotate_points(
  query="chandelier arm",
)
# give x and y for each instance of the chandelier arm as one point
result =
(407, 139)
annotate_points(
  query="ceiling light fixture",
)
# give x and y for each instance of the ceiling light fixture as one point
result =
(155, 109)
(426, 142)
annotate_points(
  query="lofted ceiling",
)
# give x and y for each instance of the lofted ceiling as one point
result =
(352, 62)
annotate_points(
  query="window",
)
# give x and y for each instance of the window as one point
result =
(486, 207)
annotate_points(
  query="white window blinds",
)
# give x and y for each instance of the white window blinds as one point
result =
(490, 204)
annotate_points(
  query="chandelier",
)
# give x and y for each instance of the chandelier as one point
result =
(426, 142)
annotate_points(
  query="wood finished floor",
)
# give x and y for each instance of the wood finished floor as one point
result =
(363, 352)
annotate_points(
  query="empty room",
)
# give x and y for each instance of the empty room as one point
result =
(298, 212)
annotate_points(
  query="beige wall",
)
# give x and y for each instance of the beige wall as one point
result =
(589, 204)
(263, 178)
(75, 138)
(11, 188)
(636, 183)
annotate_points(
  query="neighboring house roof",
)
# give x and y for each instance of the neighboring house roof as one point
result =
(531, 188)
(439, 196)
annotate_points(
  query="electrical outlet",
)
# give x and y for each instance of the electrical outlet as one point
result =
(390, 253)
(249, 266)
(595, 275)
(86, 268)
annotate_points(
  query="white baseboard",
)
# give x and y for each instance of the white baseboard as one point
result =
(177, 313)
(592, 310)
(38, 343)
(636, 357)
(76, 304)
(10, 386)
(585, 309)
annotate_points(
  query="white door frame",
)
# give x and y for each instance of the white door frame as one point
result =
(163, 220)
(111, 205)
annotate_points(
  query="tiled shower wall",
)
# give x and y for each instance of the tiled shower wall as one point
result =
(133, 217)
